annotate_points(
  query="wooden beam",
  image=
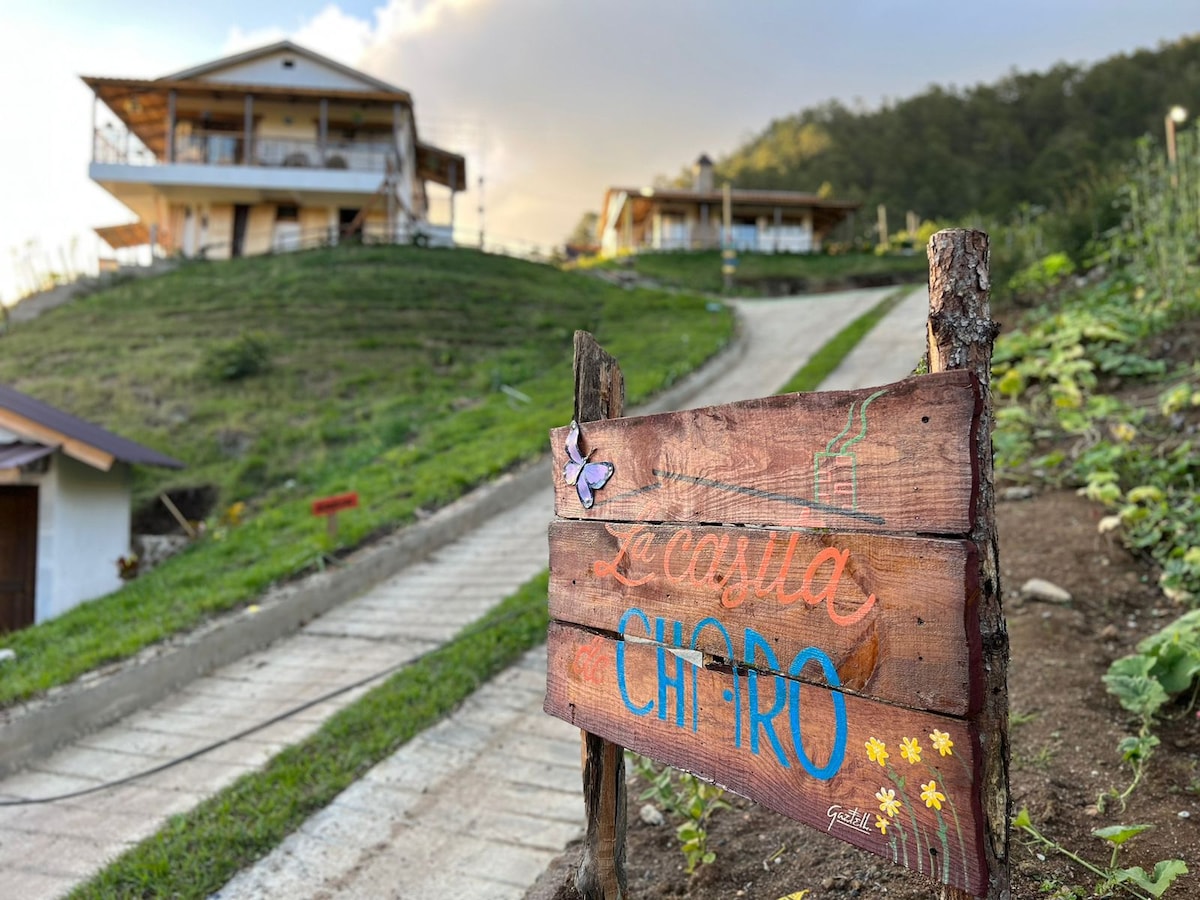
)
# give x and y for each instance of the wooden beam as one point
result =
(893, 613)
(960, 336)
(323, 128)
(85, 453)
(248, 131)
(896, 458)
(600, 394)
(171, 126)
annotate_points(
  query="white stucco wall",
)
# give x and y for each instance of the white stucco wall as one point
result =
(302, 73)
(83, 527)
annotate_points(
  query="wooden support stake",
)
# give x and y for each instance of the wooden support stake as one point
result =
(600, 394)
(178, 516)
(960, 336)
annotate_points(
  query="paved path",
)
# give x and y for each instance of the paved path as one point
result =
(474, 807)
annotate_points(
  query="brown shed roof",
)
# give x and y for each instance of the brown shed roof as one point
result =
(78, 438)
(135, 234)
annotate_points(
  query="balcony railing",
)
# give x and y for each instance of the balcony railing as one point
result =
(745, 237)
(225, 148)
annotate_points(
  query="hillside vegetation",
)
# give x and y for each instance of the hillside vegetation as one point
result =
(407, 375)
(1030, 139)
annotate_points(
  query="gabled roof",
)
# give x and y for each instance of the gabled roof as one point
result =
(257, 53)
(39, 422)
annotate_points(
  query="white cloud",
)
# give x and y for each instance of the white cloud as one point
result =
(47, 196)
(331, 32)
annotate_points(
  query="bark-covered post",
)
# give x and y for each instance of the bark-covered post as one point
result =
(600, 394)
(960, 336)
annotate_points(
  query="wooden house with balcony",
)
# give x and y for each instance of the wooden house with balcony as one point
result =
(634, 219)
(273, 149)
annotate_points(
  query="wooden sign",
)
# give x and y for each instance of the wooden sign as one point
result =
(327, 506)
(893, 781)
(896, 458)
(892, 614)
(793, 597)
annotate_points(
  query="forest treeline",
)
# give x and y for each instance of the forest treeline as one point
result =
(1052, 139)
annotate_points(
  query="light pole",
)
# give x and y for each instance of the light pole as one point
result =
(1175, 116)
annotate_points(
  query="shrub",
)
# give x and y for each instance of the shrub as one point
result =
(240, 358)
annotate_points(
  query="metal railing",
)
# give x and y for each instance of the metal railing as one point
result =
(746, 238)
(113, 145)
(289, 238)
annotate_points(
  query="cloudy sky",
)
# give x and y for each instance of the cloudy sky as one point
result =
(550, 100)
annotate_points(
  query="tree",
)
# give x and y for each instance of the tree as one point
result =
(584, 233)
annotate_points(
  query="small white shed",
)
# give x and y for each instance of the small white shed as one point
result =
(64, 508)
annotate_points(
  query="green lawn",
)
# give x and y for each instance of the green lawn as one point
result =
(822, 363)
(384, 370)
(761, 273)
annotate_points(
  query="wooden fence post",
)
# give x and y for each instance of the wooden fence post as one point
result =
(600, 394)
(960, 336)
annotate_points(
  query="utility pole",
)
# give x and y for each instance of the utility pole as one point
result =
(728, 251)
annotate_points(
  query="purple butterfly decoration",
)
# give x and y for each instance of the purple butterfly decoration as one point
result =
(586, 476)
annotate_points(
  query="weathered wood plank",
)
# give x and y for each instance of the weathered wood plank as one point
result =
(799, 749)
(895, 458)
(894, 614)
(960, 337)
(600, 394)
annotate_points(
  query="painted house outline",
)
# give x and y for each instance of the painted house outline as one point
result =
(64, 508)
(649, 218)
(269, 150)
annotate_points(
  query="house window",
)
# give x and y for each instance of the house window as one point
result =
(287, 214)
(289, 64)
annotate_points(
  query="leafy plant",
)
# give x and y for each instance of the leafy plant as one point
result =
(1042, 277)
(1133, 880)
(686, 797)
(1166, 665)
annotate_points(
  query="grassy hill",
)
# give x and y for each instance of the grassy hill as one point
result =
(407, 375)
(771, 274)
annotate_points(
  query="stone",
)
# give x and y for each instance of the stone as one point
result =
(1046, 591)
(1017, 492)
(650, 815)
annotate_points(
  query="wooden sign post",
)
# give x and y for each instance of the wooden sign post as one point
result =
(329, 507)
(797, 598)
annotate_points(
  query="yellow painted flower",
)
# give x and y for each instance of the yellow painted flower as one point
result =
(882, 824)
(877, 751)
(931, 795)
(887, 801)
(911, 750)
(942, 743)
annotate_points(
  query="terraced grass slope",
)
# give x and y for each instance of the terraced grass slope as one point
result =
(407, 375)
